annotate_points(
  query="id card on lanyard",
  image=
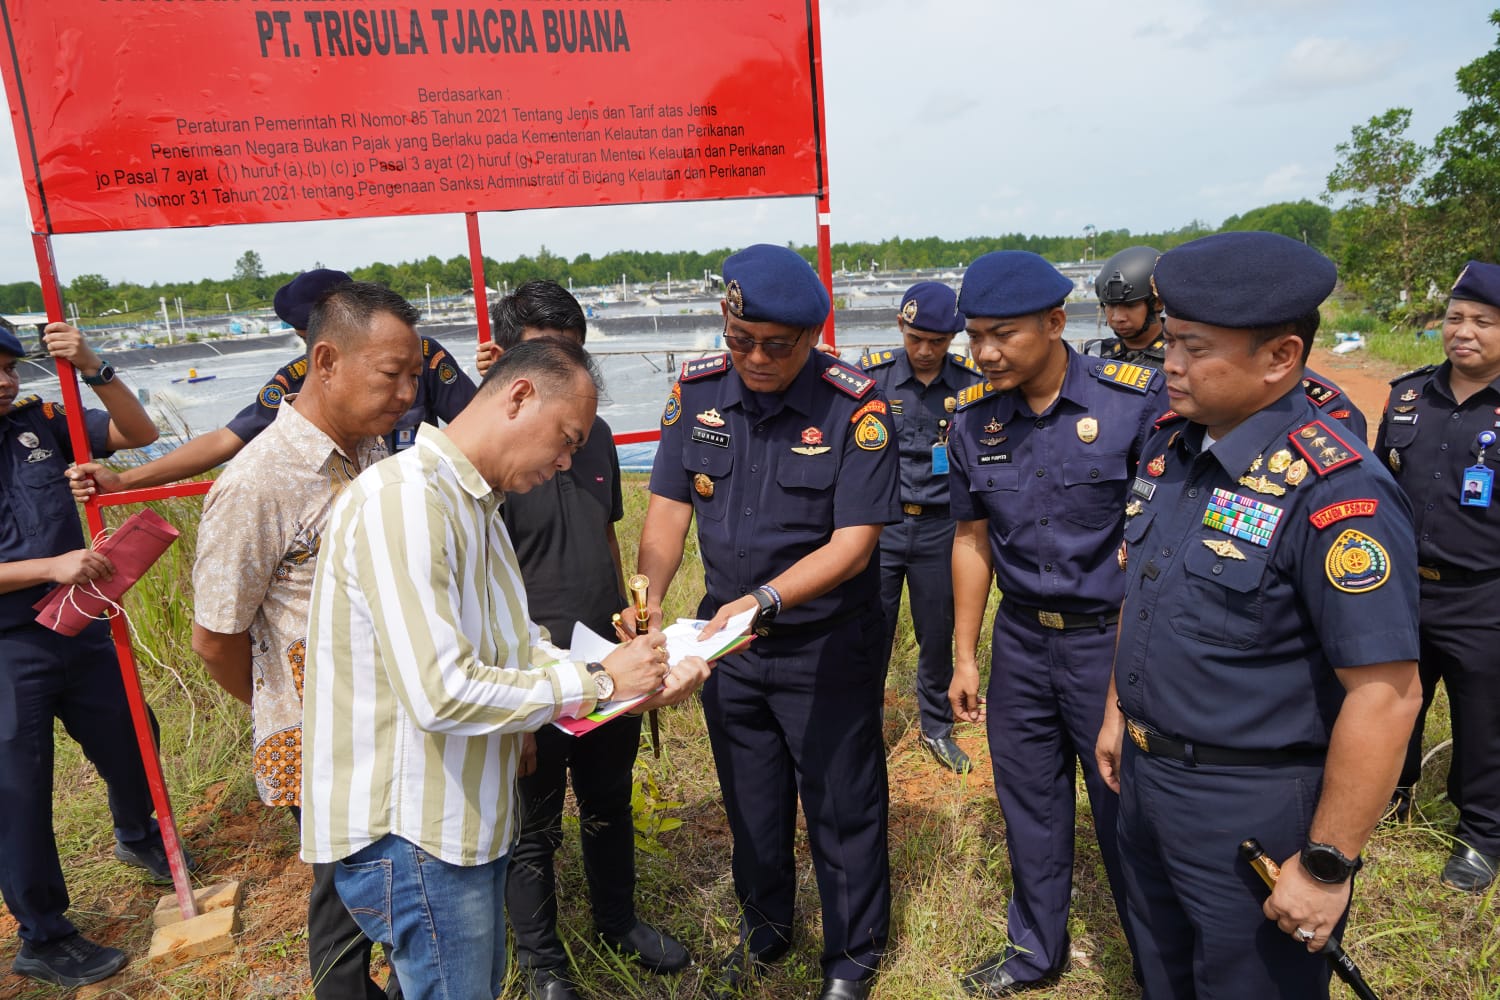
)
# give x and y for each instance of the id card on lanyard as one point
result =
(1479, 479)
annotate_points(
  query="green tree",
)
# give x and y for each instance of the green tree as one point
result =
(248, 268)
(1466, 181)
(1301, 220)
(89, 293)
(1380, 238)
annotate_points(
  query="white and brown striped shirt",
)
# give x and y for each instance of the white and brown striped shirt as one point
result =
(423, 667)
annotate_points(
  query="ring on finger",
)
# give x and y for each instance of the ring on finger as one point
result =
(1304, 935)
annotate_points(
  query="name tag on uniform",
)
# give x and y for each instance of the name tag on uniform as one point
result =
(719, 439)
(996, 459)
(1479, 484)
(939, 460)
(1404, 418)
(1143, 488)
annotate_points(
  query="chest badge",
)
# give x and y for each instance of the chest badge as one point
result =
(1409, 395)
(703, 486)
(1157, 465)
(990, 442)
(1394, 458)
(1261, 484)
(950, 403)
(1404, 409)
(1296, 472)
(812, 443)
(1224, 548)
(1088, 429)
(1279, 462)
(1133, 508)
(28, 440)
(994, 427)
(710, 418)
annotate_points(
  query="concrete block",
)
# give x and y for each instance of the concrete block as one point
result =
(220, 896)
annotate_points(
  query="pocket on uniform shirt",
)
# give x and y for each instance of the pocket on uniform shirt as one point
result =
(1222, 604)
(806, 499)
(999, 493)
(47, 489)
(1094, 491)
(1399, 436)
(700, 459)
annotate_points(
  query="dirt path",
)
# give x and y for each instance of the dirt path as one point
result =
(1365, 379)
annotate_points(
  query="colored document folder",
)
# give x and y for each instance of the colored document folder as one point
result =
(682, 640)
(133, 548)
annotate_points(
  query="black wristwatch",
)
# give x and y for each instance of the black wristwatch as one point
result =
(767, 606)
(604, 684)
(1328, 864)
(104, 376)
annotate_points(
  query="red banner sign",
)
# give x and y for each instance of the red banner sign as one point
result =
(162, 114)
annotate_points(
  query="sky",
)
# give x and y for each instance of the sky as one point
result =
(957, 118)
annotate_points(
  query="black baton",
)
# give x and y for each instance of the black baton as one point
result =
(1343, 966)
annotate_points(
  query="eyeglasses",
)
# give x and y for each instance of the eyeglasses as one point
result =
(773, 348)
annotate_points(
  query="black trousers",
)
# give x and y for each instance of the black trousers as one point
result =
(338, 952)
(602, 763)
(1461, 647)
(76, 679)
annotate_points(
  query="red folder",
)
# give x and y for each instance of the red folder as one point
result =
(133, 548)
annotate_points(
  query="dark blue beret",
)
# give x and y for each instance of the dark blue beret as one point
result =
(1478, 282)
(10, 343)
(1243, 280)
(295, 299)
(933, 307)
(1011, 283)
(771, 284)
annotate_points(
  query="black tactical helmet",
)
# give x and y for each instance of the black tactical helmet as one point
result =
(1126, 277)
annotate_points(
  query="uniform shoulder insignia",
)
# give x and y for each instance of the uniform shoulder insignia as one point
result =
(963, 361)
(877, 359)
(428, 346)
(25, 401)
(716, 364)
(1136, 378)
(1320, 392)
(1424, 370)
(973, 394)
(1323, 449)
(1167, 418)
(848, 381)
(296, 370)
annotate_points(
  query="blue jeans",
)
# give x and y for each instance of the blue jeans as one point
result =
(438, 921)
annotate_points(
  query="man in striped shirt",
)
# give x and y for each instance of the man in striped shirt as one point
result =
(424, 669)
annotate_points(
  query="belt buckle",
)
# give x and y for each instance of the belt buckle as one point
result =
(1050, 619)
(914, 509)
(1137, 735)
(1429, 573)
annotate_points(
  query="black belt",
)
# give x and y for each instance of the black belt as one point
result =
(1150, 741)
(1452, 574)
(1062, 621)
(779, 630)
(924, 510)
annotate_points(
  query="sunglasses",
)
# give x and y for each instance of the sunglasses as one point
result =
(773, 348)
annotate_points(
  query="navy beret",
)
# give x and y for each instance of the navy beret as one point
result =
(1478, 282)
(10, 343)
(295, 299)
(1012, 283)
(1243, 280)
(931, 306)
(771, 284)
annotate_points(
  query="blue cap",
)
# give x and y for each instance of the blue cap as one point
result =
(771, 284)
(1011, 283)
(1478, 282)
(9, 342)
(931, 306)
(1243, 280)
(295, 299)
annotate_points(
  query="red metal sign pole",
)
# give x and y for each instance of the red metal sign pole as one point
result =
(78, 436)
(476, 269)
(825, 213)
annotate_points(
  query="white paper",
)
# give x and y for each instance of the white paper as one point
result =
(682, 636)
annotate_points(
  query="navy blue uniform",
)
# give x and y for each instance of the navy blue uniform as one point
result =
(1256, 569)
(1427, 439)
(1325, 394)
(770, 478)
(918, 550)
(442, 391)
(46, 676)
(1052, 487)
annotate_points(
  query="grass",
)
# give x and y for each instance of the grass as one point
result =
(1402, 345)
(951, 877)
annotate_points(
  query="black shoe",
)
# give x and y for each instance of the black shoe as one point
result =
(991, 978)
(1469, 871)
(1398, 810)
(650, 948)
(151, 857)
(948, 753)
(550, 984)
(847, 989)
(70, 961)
(737, 971)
